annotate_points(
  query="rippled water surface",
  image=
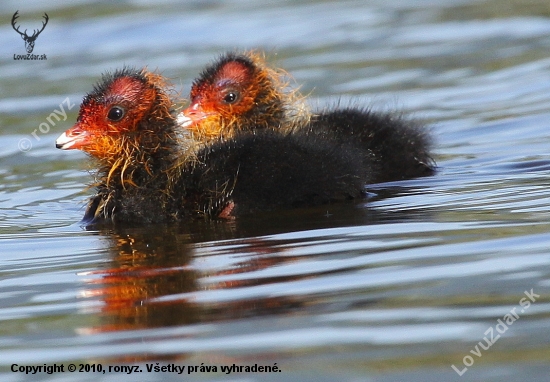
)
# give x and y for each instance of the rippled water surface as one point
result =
(400, 287)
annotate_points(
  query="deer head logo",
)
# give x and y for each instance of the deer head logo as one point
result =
(29, 40)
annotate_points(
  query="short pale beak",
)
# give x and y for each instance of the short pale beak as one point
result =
(193, 114)
(74, 138)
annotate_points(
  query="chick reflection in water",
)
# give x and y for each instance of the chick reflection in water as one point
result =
(144, 266)
(156, 279)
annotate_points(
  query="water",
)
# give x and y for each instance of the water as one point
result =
(398, 287)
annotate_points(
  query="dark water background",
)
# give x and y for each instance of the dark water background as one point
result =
(397, 288)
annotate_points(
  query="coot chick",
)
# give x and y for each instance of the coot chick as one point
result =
(240, 93)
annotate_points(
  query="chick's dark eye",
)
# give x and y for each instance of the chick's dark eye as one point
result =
(231, 97)
(116, 113)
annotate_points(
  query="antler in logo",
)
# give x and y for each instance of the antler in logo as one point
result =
(29, 40)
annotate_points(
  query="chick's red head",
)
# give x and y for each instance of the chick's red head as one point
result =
(236, 92)
(120, 106)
